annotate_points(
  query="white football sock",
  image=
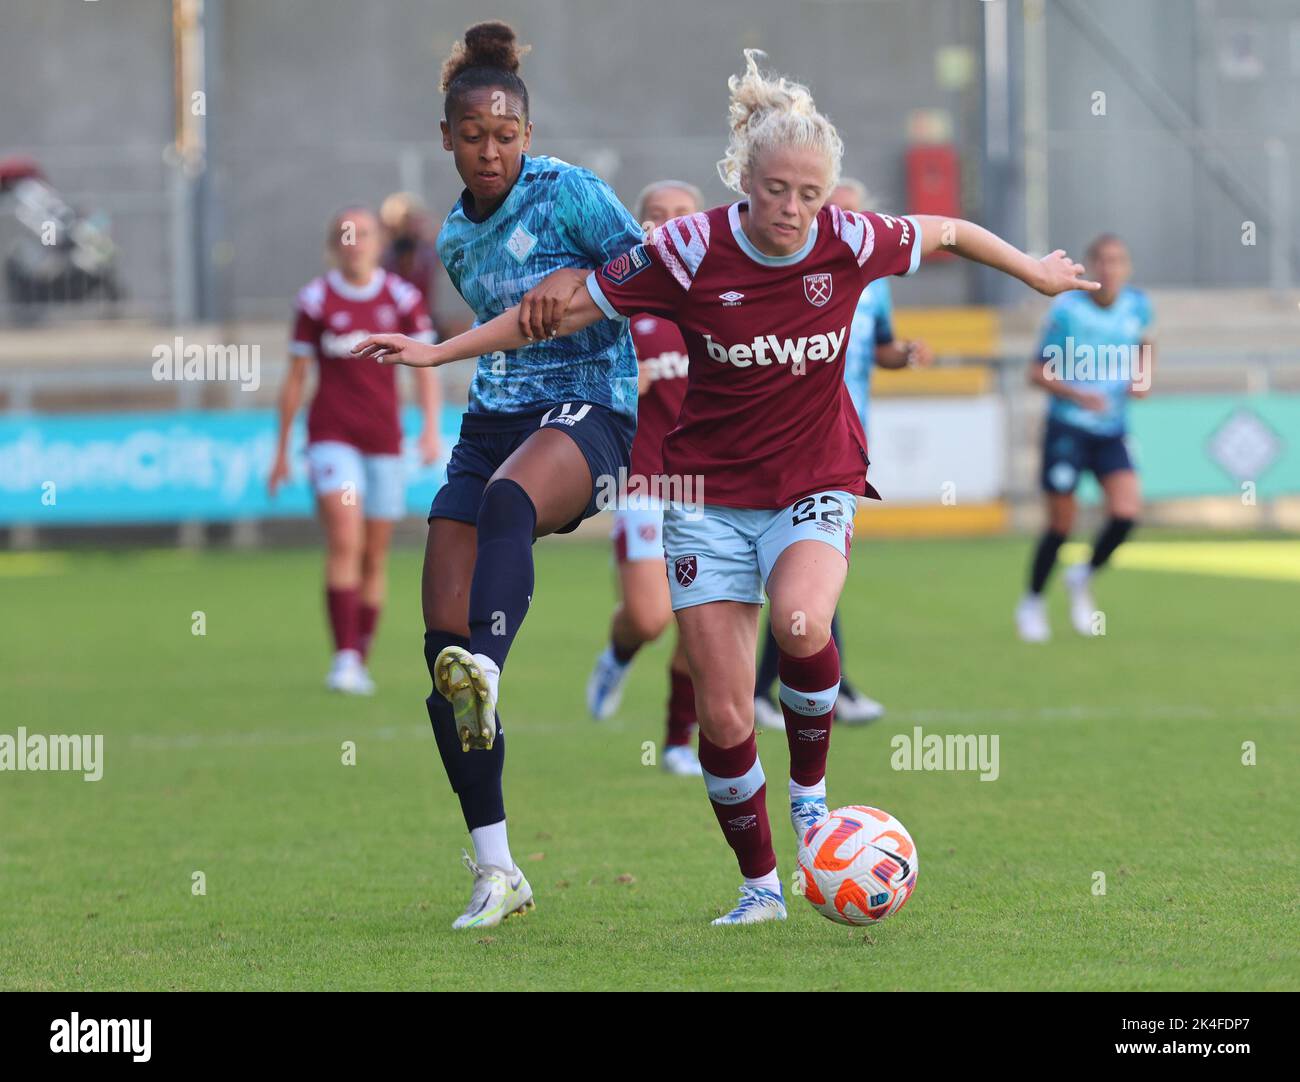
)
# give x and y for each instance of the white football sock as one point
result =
(491, 674)
(491, 847)
(797, 791)
(771, 882)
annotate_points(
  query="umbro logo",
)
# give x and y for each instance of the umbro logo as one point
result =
(812, 734)
(731, 298)
(743, 822)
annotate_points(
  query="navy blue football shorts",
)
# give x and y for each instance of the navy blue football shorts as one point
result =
(1069, 451)
(488, 439)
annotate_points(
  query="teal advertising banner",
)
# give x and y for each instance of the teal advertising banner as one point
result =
(212, 466)
(64, 469)
(1211, 445)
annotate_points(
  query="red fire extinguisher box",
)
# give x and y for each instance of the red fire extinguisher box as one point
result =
(934, 184)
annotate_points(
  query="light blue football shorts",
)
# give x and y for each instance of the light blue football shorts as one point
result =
(378, 482)
(726, 553)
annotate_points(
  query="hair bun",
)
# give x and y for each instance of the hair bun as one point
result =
(489, 44)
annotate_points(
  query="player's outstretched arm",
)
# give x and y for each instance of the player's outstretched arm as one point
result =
(496, 335)
(1053, 274)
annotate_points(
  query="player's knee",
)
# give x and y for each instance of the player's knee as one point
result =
(724, 720)
(1061, 520)
(645, 623)
(505, 509)
(800, 632)
(343, 546)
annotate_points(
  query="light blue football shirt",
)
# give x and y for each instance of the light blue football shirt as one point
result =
(873, 325)
(556, 215)
(1080, 329)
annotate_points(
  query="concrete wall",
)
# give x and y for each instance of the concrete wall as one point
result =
(1228, 68)
(320, 102)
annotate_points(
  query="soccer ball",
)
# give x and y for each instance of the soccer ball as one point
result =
(857, 867)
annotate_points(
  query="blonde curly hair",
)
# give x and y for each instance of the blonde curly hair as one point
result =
(769, 111)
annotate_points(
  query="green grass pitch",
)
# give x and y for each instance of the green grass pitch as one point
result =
(223, 755)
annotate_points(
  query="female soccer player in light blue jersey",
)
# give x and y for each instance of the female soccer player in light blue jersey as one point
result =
(545, 424)
(1095, 355)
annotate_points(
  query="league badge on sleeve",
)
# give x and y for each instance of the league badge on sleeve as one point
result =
(817, 288)
(622, 267)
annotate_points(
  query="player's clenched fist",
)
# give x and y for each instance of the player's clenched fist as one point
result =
(399, 349)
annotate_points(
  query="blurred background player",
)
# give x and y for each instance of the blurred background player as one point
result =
(871, 342)
(354, 435)
(411, 252)
(644, 609)
(1096, 354)
(544, 425)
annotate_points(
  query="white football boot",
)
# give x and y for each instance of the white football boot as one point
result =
(854, 708)
(1078, 582)
(497, 894)
(767, 715)
(1031, 619)
(469, 682)
(348, 675)
(756, 904)
(605, 685)
(680, 759)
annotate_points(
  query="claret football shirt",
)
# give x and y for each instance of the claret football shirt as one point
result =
(661, 354)
(767, 418)
(356, 399)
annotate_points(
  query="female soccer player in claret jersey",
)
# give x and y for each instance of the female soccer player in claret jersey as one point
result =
(763, 292)
(645, 608)
(354, 435)
(542, 426)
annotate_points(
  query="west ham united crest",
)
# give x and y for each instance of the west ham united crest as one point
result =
(685, 567)
(817, 288)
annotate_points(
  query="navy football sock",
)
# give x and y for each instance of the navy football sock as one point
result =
(475, 775)
(767, 664)
(503, 572)
(1044, 560)
(1110, 538)
(845, 687)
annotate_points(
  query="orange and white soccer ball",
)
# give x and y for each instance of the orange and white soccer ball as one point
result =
(859, 866)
